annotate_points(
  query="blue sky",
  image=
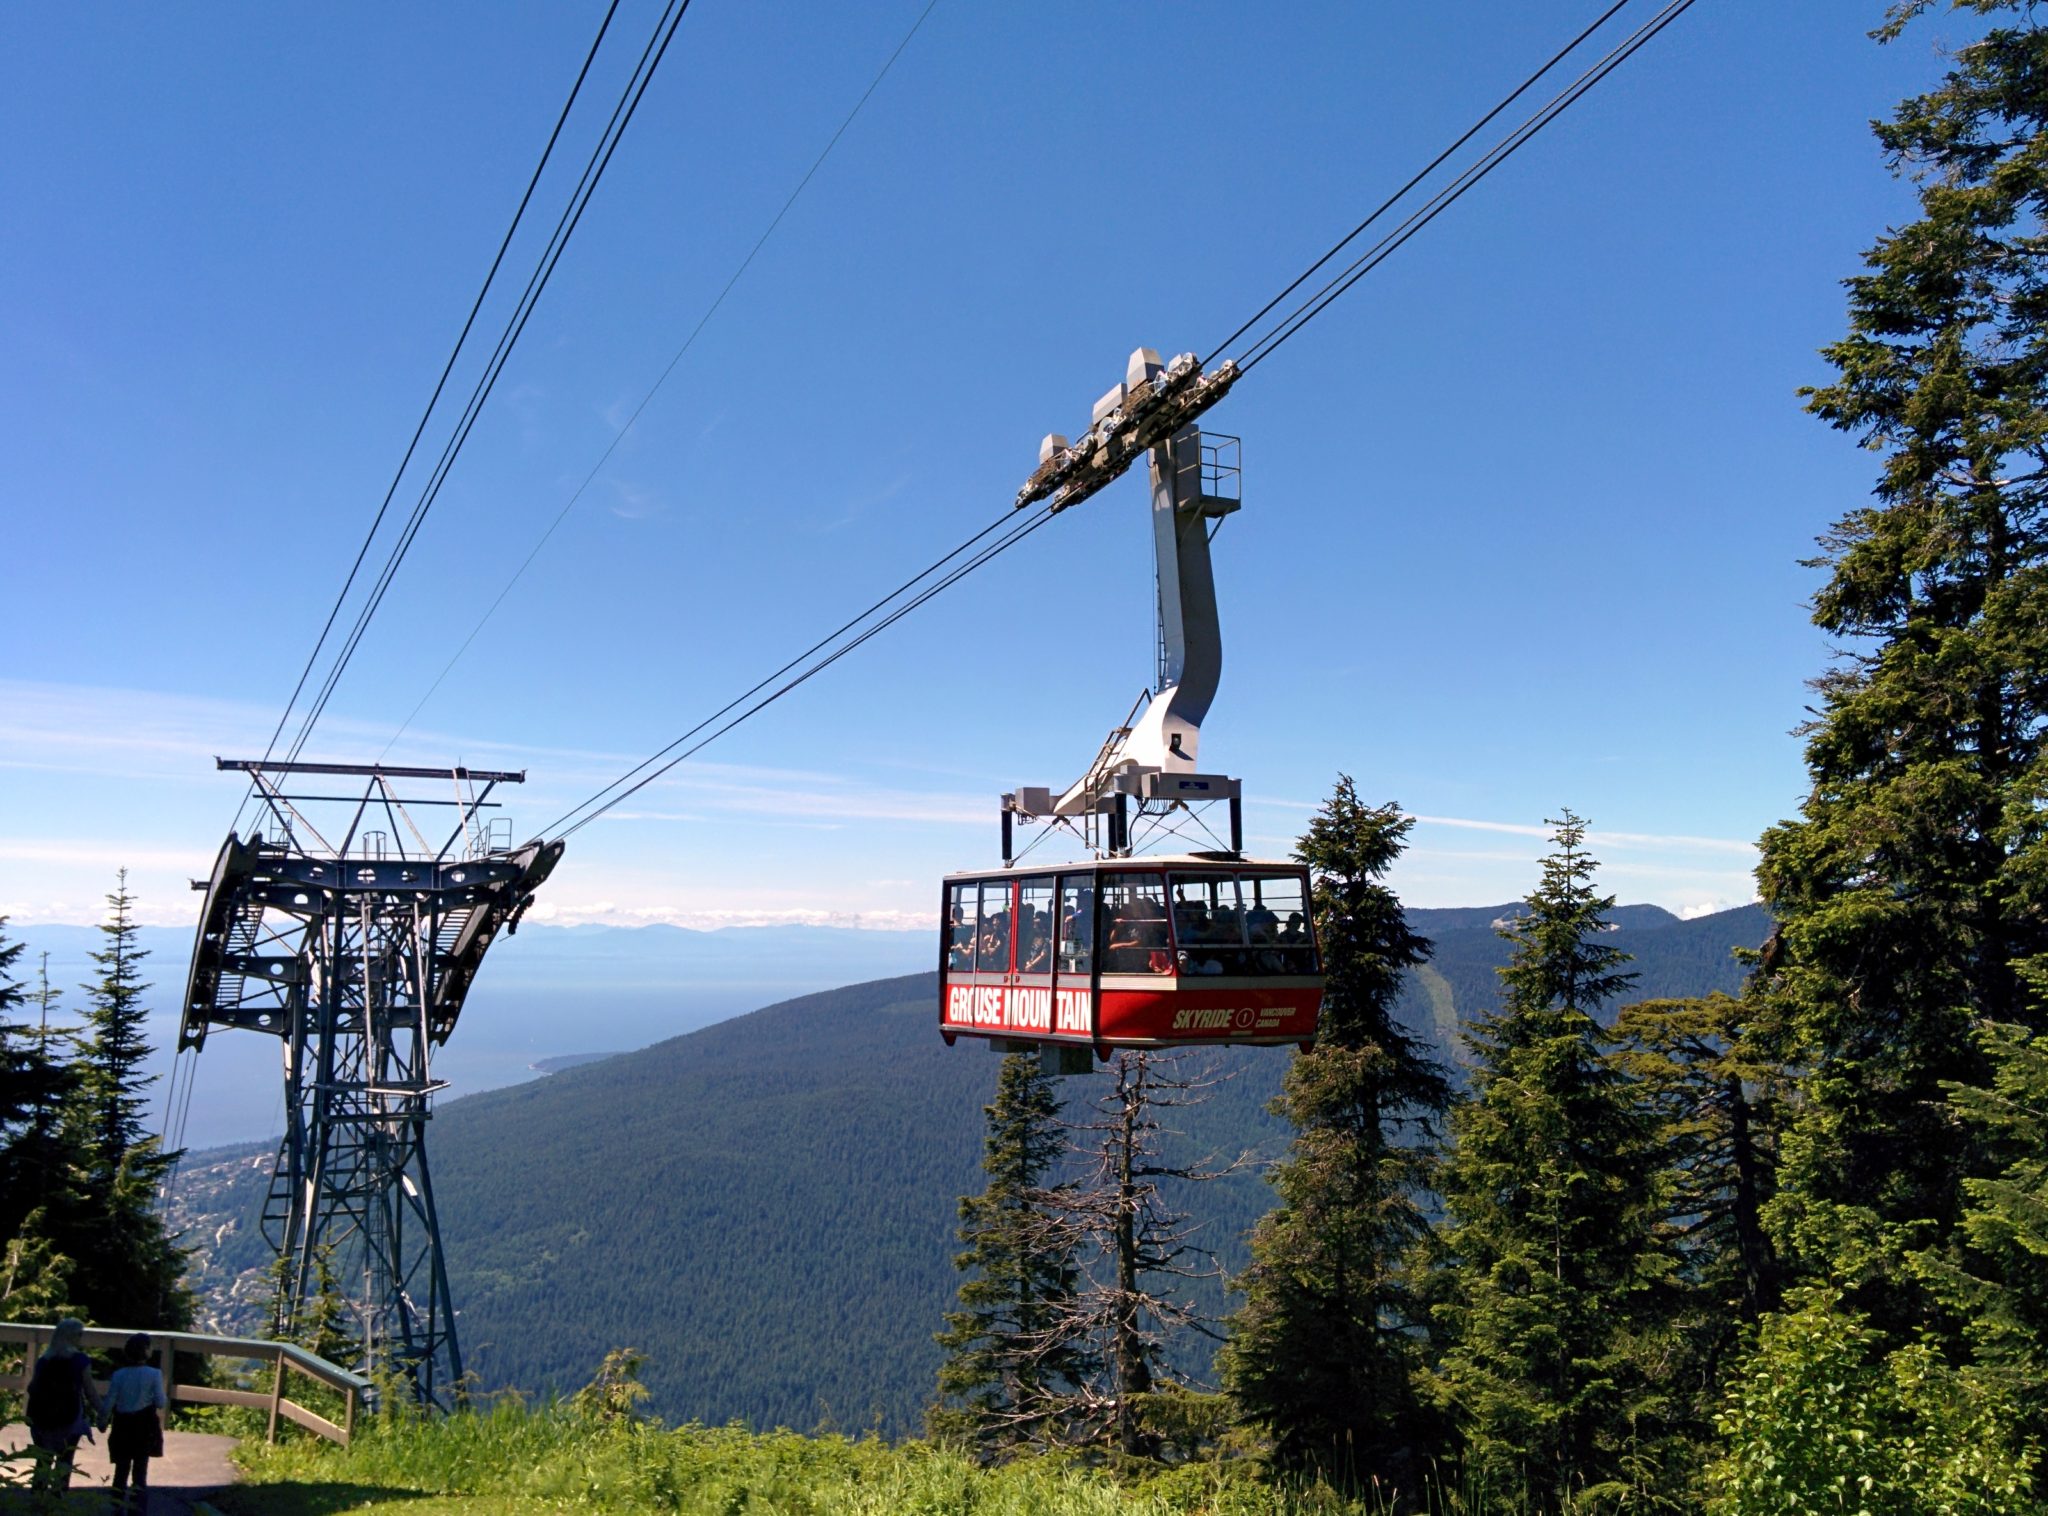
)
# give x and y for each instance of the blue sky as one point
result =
(1523, 513)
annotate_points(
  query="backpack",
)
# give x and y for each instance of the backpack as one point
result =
(53, 1398)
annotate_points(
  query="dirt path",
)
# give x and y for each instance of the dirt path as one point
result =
(194, 1463)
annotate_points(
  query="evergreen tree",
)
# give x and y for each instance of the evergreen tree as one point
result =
(33, 1087)
(1718, 1106)
(1994, 1273)
(1324, 1352)
(1916, 873)
(1557, 1255)
(326, 1319)
(35, 1278)
(127, 1268)
(17, 1094)
(1014, 1357)
(110, 1111)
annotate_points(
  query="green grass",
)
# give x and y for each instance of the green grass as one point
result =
(520, 1460)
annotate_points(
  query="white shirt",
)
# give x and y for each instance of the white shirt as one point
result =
(135, 1387)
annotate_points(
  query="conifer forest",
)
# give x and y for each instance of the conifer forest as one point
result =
(1774, 1251)
(1778, 1246)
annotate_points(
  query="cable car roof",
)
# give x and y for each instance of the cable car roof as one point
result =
(1221, 862)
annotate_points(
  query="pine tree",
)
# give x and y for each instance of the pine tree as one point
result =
(35, 1278)
(1916, 873)
(1014, 1358)
(1718, 1105)
(1324, 1352)
(111, 1112)
(127, 1268)
(17, 1094)
(33, 1087)
(1994, 1272)
(1557, 1256)
(326, 1319)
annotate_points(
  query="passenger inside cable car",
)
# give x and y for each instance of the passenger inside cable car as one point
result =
(1207, 922)
(959, 941)
(1186, 950)
(1077, 927)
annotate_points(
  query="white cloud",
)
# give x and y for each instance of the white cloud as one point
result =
(1661, 840)
(1693, 910)
(774, 793)
(97, 732)
(1600, 839)
(635, 502)
(861, 504)
(609, 913)
(165, 817)
(99, 854)
(682, 851)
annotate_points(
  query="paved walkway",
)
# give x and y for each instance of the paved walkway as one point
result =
(194, 1463)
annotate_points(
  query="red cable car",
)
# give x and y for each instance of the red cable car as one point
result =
(1132, 952)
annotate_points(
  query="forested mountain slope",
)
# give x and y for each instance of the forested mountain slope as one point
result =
(766, 1206)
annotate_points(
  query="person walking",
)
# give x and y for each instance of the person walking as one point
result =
(135, 1396)
(63, 1404)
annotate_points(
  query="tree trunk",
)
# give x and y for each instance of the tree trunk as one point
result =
(1133, 1373)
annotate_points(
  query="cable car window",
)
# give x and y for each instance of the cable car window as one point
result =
(1276, 918)
(1134, 936)
(960, 913)
(1077, 925)
(992, 944)
(1208, 924)
(1034, 925)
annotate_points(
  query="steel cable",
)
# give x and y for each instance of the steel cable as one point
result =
(1443, 199)
(597, 805)
(559, 825)
(565, 227)
(689, 341)
(440, 384)
(1431, 167)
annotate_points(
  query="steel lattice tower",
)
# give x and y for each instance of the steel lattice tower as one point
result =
(357, 955)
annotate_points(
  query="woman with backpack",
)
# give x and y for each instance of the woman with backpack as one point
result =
(62, 1403)
(134, 1397)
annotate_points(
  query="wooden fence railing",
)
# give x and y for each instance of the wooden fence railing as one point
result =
(279, 1355)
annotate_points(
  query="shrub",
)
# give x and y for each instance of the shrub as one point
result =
(1821, 1420)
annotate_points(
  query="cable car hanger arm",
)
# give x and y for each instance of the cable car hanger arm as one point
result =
(1152, 755)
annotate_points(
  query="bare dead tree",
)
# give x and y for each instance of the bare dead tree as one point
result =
(1146, 1251)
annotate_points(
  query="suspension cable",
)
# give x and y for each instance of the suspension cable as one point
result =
(555, 827)
(688, 342)
(1427, 169)
(1002, 545)
(601, 156)
(440, 384)
(661, 762)
(1263, 347)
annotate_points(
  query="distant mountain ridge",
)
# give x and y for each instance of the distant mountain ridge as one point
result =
(766, 1206)
(556, 991)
